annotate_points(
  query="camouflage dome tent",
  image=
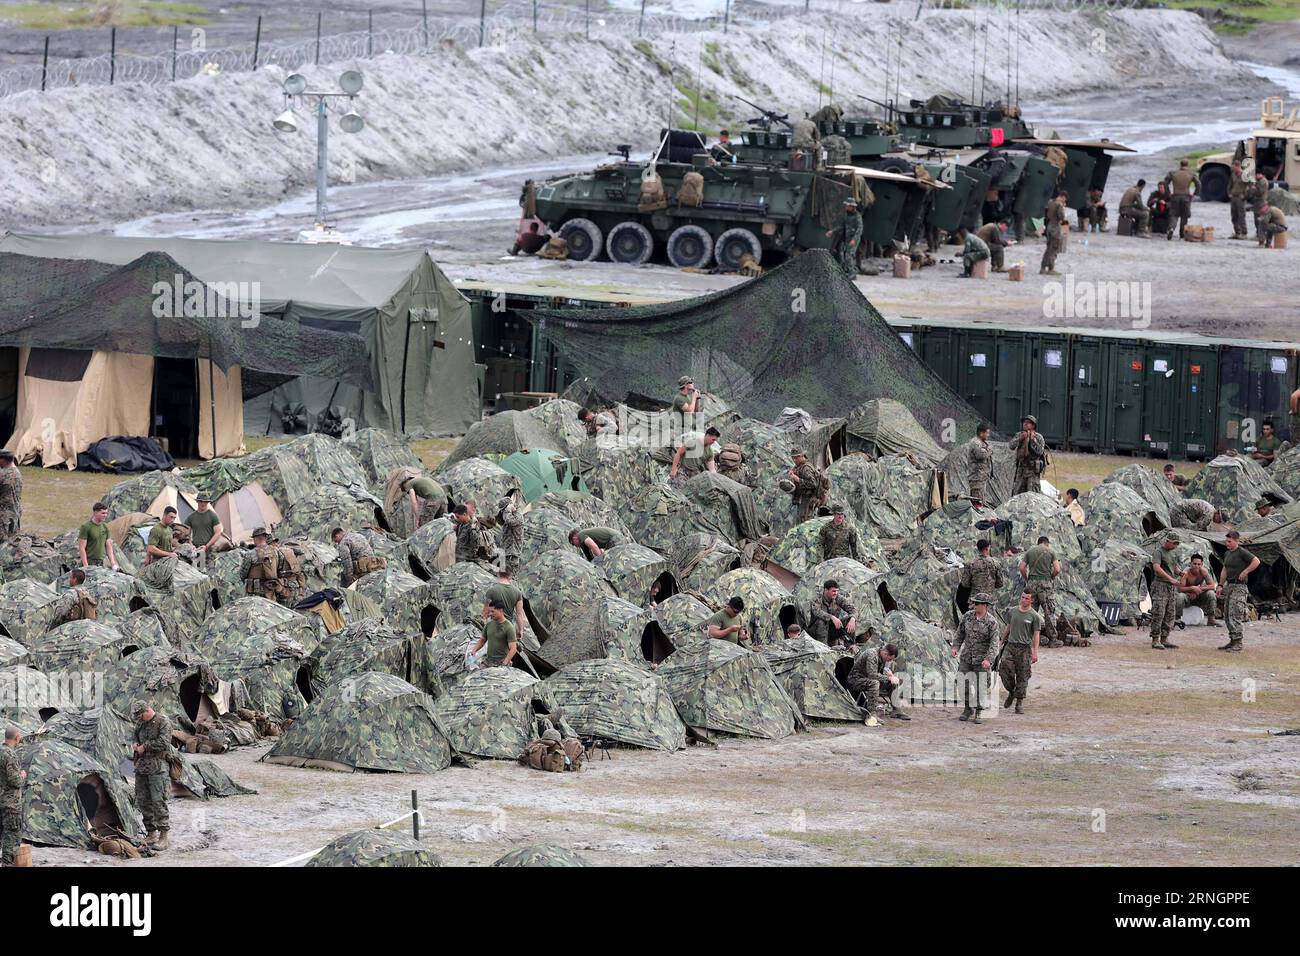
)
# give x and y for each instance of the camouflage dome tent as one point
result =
(955, 526)
(368, 722)
(955, 472)
(800, 548)
(768, 450)
(719, 686)
(264, 645)
(923, 580)
(619, 474)
(604, 626)
(924, 655)
(634, 570)
(541, 470)
(618, 701)
(1115, 511)
(1032, 516)
(27, 697)
(805, 667)
(541, 855)
(369, 644)
(882, 427)
(459, 594)
(80, 646)
(330, 506)
(429, 550)
(141, 492)
(492, 711)
(1153, 488)
(725, 506)
(859, 585)
(117, 595)
(1116, 572)
(1285, 469)
(559, 416)
(502, 434)
(888, 496)
(24, 609)
(68, 795)
(1233, 483)
(545, 529)
(11, 652)
(101, 733)
(379, 453)
(282, 473)
(190, 601)
(167, 679)
(439, 661)
(558, 583)
(660, 515)
(386, 848)
(27, 556)
(699, 558)
(769, 607)
(682, 618)
(328, 460)
(477, 479)
(408, 603)
(738, 343)
(584, 510)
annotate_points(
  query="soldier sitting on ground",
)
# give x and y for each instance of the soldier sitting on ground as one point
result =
(871, 680)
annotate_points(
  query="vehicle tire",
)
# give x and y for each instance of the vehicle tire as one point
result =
(1214, 184)
(690, 247)
(629, 243)
(732, 246)
(900, 166)
(584, 239)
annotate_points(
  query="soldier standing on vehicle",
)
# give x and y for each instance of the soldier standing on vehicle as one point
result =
(1184, 185)
(1132, 207)
(11, 495)
(1238, 189)
(1238, 565)
(1040, 568)
(153, 734)
(994, 235)
(974, 249)
(976, 648)
(1055, 218)
(981, 463)
(1031, 456)
(1165, 572)
(721, 150)
(11, 797)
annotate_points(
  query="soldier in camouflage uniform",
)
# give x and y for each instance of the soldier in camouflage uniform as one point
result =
(1021, 634)
(809, 486)
(259, 569)
(832, 618)
(471, 540)
(74, 604)
(1040, 569)
(1238, 565)
(1055, 218)
(510, 544)
(1185, 186)
(839, 539)
(1193, 514)
(1256, 193)
(11, 797)
(1164, 593)
(983, 575)
(848, 239)
(11, 496)
(981, 463)
(427, 499)
(357, 555)
(975, 648)
(872, 672)
(153, 735)
(1031, 456)
(597, 423)
(1197, 587)
(1237, 192)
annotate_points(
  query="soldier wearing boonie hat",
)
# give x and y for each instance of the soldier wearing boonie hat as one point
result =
(976, 648)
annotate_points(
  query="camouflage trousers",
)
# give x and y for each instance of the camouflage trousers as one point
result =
(968, 260)
(848, 255)
(1027, 481)
(1180, 208)
(1207, 602)
(1235, 598)
(976, 489)
(807, 508)
(1015, 669)
(974, 685)
(868, 693)
(8, 524)
(11, 835)
(1238, 204)
(1141, 217)
(151, 797)
(1053, 249)
(510, 561)
(1164, 610)
(1045, 600)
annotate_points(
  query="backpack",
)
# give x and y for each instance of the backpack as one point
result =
(290, 562)
(86, 608)
(731, 456)
(544, 755)
(823, 485)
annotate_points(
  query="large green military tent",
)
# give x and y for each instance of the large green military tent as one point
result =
(414, 326)
(801, 335)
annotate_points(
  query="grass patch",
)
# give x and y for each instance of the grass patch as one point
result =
(857, 846)
(646, 50)
(1085, 471)
(1239, 16)
(104, 13)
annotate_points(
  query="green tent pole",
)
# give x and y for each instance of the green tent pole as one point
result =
(212, 398)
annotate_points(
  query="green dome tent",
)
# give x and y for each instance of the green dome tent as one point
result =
(375, 848)
(476, 479)
(541, 470)
(557, 582)
(800, 548)
(68, 795)
(682, 618)
(719, 686)
(618, 701)
(805, 668)
(769, 607)
(859, 585)
(491, 712)
(408, 603)
(368, 644)
(638, 574)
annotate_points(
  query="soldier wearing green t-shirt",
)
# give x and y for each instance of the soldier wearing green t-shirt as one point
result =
(726, 624)
(1267, 445)
(1020, 636)
(593, 542)
(160, 538)
(427, 498)
(511, 598)
(687, 401)
(695, 453)
(1040, 568)
(1165, 575)
(1238, 565)
(500, 638)
(205, 525)
(93, 541)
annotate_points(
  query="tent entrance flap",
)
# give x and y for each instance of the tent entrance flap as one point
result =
(176, 407)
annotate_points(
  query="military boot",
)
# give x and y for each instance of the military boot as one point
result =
(152, 835)
(1020, 705)
(1169, 645)
(1228, 646)
(966, 713)
(1010, 698)
(1157, 646)
(1233, 646)
(161, 842)
(976, 719)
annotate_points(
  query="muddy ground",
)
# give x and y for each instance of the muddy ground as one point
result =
(1124, 756)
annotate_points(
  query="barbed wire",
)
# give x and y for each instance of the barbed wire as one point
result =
(504, 26)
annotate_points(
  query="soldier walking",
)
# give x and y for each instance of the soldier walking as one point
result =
(1056, 216)
(1164, 593)
(1021, 635)
(1031, 456)
(153, 734)
(849, 238)
(12, 776)
(11, 495)
(1184, 186)
(976, 648)
(1040, 568)
(1238, 565)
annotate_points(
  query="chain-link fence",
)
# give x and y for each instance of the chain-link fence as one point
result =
(191, 56)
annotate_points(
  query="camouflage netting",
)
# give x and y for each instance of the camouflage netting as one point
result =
(584, 510)
(955, 526)
(169, 681)
(264, 645)
(408, 603)
(558, 583)
(369, 644)
(682, 618)
(11, 652)
(1152, 487)
(1115, 511)
(699, 558)
(1032, 516)
(883, 427)
(375, 848)
(605, 627)
(859, 585)
(367, 722)
(634, 570)
(924, 580)
(380, 452)
(479, 480)
(806, 669)
(349, 507)
(80, 646)
(24, 609)
(541, 855)
(136, 494)
(503, 434)
(328, 460)
(725, 506)
(800, 548)
(888, 496)
(924, 654)
(101, 733)
(738, 342)
(618, 701)
(719, 686)
(490, 712)
(1233, 483)
(1115, 572)
(27, 556)
(1001, 485)
(545, 529)
(769, 607)
(68, 794)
